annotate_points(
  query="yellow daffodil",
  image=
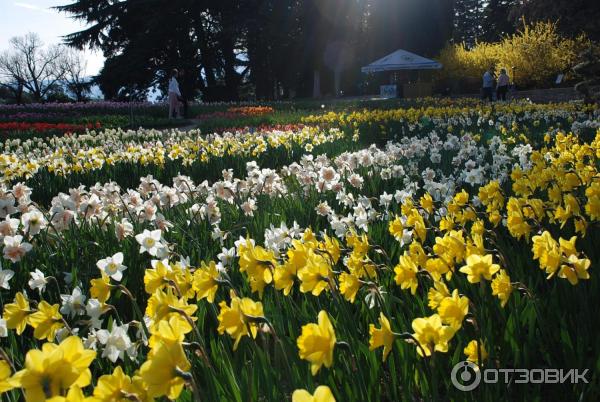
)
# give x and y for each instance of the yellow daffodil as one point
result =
(592, 207)
(436, 294)
(259, 264)
(16, 314)
(479, 267)
(5, 373)
(382, 336)
(491, 196)
(322, 394)
(119, 387)
(502, 287)
(332, 246)
(315, 275)
(432, 335)
(163, 305)
(285, 276)
(349, 286)
(206, 281)
(163, 372)
(426, 203)
(396, 228)
(575, 269)
(417, 253)
(184, 280)
(415, 220)
(317, 342)
(451, 247)
(50, 372)
(361, 266)
(516, 221)
(438, 267)
(406, 273)
(453, 309)
(475, 352)
(46, 321)
(173, 331)
(547, 251)
(158, 276)
(358, 243)
(75, 394)
(100, 288)
(238, 319)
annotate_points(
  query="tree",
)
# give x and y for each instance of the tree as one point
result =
(77, 83)
(498, 20)
(573, 16)
(30, 65)
(468, 21)
(274, 47)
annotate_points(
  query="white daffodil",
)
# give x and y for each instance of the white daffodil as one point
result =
(226, 256)
(8, 227)
(116, 342)
(33, 222)
(15, 248)
(3, 328)
(38, 281)
(5, 276)
(249, 206)
(94, 309)
(123, 229)
(7, 206)
(323, 209)
(149, 241)
(73, 304)
(385, 199)
(112, 266)
(242, 242)
(91, 341)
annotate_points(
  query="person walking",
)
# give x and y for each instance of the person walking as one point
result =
(502, 86)
(488, 84)
(174, 95)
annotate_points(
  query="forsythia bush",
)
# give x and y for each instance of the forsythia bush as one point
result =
(537, 52)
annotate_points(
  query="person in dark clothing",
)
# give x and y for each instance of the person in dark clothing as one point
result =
(502, 86)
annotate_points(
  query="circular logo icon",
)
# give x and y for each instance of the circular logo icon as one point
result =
(465, 376)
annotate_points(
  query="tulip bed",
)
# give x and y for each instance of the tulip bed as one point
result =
(358, 255)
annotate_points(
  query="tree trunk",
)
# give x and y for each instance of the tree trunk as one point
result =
(207, 55)
(231, 76)
(337, 82)
(317, 84)
(19, 94)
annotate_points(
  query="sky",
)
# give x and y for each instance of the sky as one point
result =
(17, 17)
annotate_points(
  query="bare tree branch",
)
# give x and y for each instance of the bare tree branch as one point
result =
(30, 65)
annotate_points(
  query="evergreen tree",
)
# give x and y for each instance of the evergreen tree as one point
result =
(468, 21)
(273, 46)
(497, 19)
(573, 16)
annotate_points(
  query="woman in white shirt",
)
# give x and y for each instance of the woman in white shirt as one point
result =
(174, 95)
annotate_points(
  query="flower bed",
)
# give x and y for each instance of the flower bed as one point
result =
(355, 274)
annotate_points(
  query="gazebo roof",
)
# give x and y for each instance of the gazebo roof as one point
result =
(402, 60)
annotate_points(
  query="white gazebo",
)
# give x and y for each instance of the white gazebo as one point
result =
(402, 60)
